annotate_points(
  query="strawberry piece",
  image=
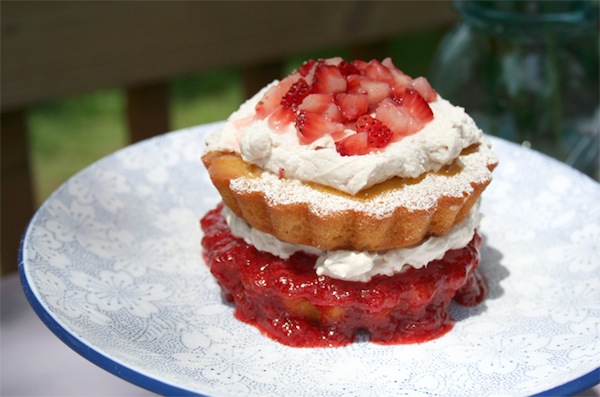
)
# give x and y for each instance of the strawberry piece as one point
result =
(333, 113)
(353, 145)
(307, 67)
(416, 105)
(360, 65)
(271, 100)
(328, 80)
(388, 63)
(364, 123)
(353, 84)
(352, 105)
(316, 103)
(297, 92)
(323, 104)
(395, 117)
(376, 71)
(400, 80)
(281, 118)
(312, 126)
(346, 68)
(335, 61)
(376, 91)
(422, 86)
(378, 134)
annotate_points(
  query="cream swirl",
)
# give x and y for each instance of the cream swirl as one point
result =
(434, 146)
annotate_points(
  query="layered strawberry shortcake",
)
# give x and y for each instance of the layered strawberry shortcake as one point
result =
(350, 206)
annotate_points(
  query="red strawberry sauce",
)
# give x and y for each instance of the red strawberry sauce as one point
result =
(289, 303)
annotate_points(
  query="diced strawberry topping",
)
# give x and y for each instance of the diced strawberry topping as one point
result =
(347, 69)
(352, 105)
(353, 145)
(363, 105)
(335, 61)
(371, 134)
(378, 72)
(360, 65)
(416, 105)
(364, 123)
(333, 113)
(395, 117)
(353, 84)
(269, 102)
(316, 103)
(388, 63)
(272, 98)
(296, 94)
(307, 67)
(375, 90)
(323, 104)
(312, 126)
(400, 81)
(328, 80)
(421, 84)
(281, 118)
(378, 134)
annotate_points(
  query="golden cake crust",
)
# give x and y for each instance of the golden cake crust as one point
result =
(396, 213)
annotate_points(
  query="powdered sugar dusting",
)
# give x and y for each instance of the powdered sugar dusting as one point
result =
(419, 196)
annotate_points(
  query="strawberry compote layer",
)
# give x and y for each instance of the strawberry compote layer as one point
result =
(291, 304)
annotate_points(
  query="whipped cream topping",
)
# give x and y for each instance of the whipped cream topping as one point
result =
(357, 265)
(436, 145)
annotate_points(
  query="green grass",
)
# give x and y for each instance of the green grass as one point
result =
(204, 98)
(68, 135)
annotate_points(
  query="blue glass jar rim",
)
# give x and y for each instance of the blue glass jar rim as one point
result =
(583, 14)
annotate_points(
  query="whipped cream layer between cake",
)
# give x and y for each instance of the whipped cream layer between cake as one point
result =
(360, 266)
(438, 144)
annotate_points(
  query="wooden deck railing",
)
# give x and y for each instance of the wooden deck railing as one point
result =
(51, 50)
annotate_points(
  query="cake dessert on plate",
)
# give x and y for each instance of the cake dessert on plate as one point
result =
(349, 206)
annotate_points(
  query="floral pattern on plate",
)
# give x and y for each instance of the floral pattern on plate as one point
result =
(112, 262)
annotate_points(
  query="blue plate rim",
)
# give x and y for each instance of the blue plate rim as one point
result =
(149, 383)
(575, 386)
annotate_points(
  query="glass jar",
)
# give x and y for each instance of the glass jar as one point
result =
(527, 71)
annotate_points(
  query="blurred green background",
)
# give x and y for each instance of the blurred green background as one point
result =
(70, 134)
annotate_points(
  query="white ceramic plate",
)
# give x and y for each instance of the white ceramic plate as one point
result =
(111, 262)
